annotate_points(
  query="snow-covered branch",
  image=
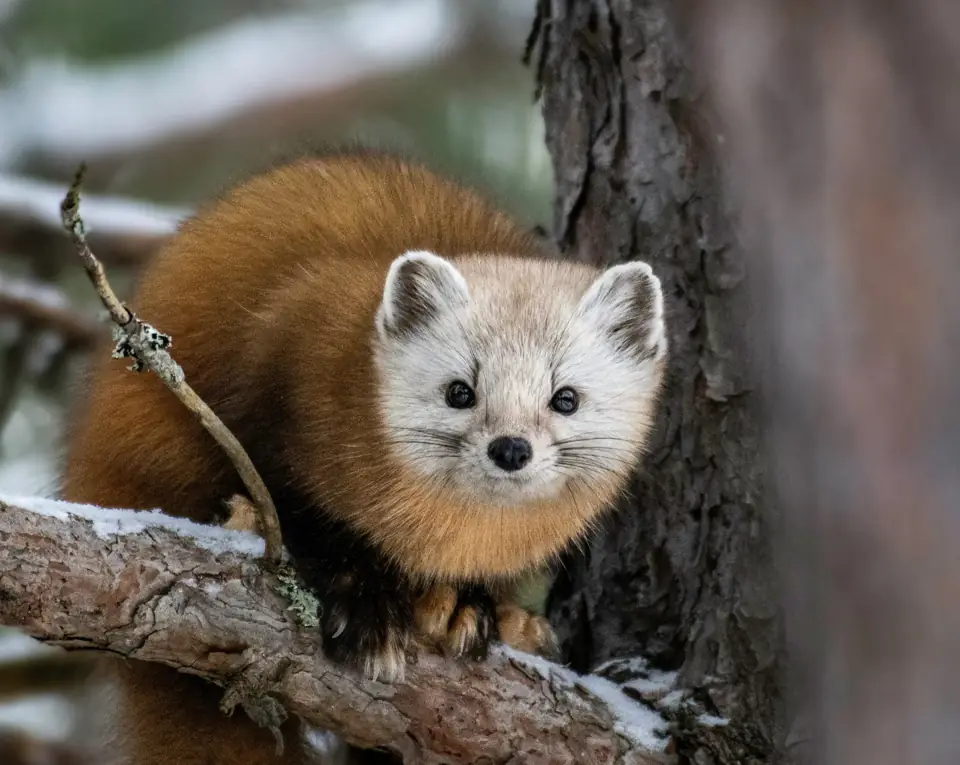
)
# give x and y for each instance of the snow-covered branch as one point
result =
(162, 589)
(45, 307)
(120, 230)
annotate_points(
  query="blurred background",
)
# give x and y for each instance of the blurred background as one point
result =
(170, 101)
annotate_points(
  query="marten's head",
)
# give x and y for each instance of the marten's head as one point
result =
(514, 381)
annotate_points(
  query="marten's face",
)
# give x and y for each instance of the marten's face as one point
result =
(513, 381)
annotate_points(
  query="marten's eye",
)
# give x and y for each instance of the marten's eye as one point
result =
(460, 395)
(565, 401)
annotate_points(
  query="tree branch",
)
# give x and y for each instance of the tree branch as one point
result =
(148, 346)
(45, 307)
(156, 588)
(121, 230)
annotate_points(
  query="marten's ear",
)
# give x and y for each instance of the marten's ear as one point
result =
(420, 287)
(626, 303)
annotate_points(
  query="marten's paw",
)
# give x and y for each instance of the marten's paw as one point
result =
(241, 515)
(461, 622)
(526, 632)
(367, 626)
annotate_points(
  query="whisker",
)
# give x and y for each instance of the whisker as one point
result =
(610, 455)
(591, 439)
(597, 451)
(595, 468)
(439, 435)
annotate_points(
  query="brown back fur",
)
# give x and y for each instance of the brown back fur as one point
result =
(276, 282)
(270, 296)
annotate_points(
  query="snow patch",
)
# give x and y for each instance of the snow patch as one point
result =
(643, 726)
(673, 700)
(660, 688)
(42, 294)
(212, 78)
(712, 721)
(635, 672)
(656, 683)
(47, 717)
(638, 723)
(543, 667)
(326, 744)
(31, 474)
(111, 522)
(15, 645)
(635, 665)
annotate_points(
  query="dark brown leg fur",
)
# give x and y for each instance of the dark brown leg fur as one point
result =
(169, 718)
(367, 610)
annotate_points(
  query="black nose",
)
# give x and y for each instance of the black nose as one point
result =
(510, 452)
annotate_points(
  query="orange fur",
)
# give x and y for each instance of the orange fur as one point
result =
(285, 274)
(525, 631)
(242, 515)
(211, 288)
(438, 621)
(322, 232)
(433, 611)
(175, 719)
(430, 531)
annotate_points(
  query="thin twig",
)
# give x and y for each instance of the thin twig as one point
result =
(148, 347)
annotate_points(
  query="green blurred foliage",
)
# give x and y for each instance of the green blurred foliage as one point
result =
(110, 30)
(474, 118)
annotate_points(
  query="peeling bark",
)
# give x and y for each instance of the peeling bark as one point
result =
(684, 573)
(159, 597)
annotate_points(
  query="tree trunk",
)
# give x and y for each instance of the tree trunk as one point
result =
(683, 573)
(845, 143)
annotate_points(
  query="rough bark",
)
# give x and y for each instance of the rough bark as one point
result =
(156, 596)
(684, 574)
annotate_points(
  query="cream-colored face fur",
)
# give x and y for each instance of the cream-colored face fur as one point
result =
(517, 331)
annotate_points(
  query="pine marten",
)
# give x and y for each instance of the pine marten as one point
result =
(436, 404)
